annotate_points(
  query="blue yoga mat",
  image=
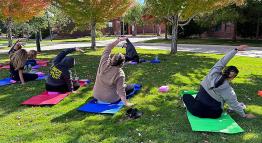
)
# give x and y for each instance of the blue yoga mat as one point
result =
(93, 107)
(7, 81)
(155, 61)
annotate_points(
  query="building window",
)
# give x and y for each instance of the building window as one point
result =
(110, 24)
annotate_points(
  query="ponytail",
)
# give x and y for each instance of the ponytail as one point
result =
(225, 75)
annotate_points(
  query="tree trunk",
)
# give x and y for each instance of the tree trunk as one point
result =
(166, 31)
(234, 38)
(41, 36)
(9, 31)
(134, 29)
(93, 35)
(174, 34)
(158, 30)
(38, 47)
(257, 31)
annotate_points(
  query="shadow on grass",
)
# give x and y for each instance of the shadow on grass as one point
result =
(164, 119)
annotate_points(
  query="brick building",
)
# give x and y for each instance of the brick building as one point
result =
(118, 27)
(225, 30)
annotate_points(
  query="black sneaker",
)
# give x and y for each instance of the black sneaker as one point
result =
(133, 113)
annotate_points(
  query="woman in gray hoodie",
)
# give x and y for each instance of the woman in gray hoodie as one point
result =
(215, 90)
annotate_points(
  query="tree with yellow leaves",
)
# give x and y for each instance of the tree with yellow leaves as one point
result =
(20, 11)
(91, 12)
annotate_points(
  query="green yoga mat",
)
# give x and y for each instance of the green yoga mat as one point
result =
(224, 124)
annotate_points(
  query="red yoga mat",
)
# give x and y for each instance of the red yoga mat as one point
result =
(46, 99)
(49, 98)
(42, 63)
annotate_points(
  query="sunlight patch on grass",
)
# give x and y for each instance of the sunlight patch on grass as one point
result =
(250, 136)
(256, 109)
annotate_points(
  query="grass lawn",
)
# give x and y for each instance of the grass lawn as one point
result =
(47, 42)
(255, 43)
(164, 118)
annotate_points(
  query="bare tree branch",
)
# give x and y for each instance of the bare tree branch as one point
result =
(187, 22)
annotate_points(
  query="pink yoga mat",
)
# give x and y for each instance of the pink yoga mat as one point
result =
(46, 99)
(42, 63)
(5, 67)
(49, 98)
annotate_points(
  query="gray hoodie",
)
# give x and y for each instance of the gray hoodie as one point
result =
(224, 93)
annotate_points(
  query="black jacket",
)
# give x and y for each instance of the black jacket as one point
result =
(60, 73)
(131, 54)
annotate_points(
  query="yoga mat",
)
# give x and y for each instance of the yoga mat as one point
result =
(155, 61)
(8, 81)
(5, 67)
(49, 98)
(46, 99)
(111, 108)
(224, 124)
(42, 63)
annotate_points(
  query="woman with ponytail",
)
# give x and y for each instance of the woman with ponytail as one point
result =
(17, 63)
(215, 90)
(110, 85)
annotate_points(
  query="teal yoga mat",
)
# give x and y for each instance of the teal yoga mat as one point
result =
(224, 124)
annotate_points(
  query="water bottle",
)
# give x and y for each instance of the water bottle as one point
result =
(156, 58)
(29, 68)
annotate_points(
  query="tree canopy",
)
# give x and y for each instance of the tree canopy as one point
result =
(180, 12)
(91, 12)
(22, 10)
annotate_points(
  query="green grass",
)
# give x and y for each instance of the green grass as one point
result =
(256, 43)
(47, 42)
(164, 118)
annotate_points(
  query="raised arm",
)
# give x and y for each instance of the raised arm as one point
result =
(15, 47)
(108, 49)
(62, 55)
(218, 67)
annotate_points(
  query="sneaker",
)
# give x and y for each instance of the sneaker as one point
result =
(133, 113)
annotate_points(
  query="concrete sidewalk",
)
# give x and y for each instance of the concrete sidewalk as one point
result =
(65, 45)
(217, 49)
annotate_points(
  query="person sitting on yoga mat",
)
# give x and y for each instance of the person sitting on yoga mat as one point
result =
(215, 90)
(31, 58)
(60, 76)
(110, 84)
(131, 54)
(17, 63)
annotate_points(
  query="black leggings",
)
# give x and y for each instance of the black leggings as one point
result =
(61, 88)
(129, 89)
(27, 77)
(200, 110)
